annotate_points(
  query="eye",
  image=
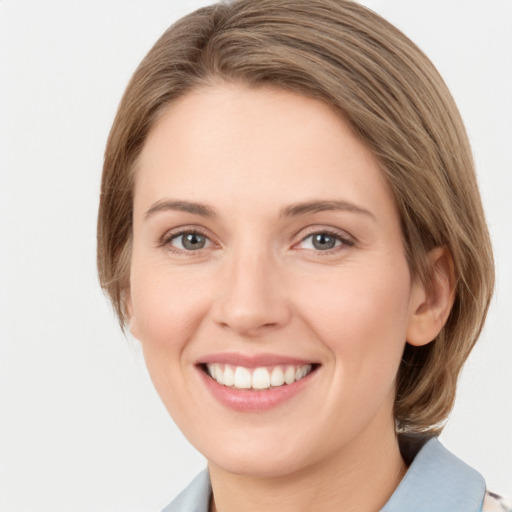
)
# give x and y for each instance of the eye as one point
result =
(323, 241)
(189, 241)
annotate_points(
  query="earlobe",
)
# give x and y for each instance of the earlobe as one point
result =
(431, 303)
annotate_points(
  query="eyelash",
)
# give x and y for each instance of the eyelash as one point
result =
(168, 238)
(344, 240)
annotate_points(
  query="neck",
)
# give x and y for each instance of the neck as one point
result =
(361, 478)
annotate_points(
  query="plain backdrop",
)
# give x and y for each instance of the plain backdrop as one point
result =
(81, 428)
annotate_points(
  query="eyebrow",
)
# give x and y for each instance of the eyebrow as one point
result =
(185, 206)
(322, 206)
(293, 210)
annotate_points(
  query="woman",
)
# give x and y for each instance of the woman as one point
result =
(290, 224)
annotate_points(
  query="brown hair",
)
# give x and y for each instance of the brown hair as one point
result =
(350, 58)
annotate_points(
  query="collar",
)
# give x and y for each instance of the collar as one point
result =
(436, 481)
(195, 497)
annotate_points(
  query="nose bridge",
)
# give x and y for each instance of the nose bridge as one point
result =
(251, 297)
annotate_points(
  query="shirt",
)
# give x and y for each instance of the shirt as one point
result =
(436, 481)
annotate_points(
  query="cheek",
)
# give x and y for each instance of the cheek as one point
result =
(362, 318)
(166, 310)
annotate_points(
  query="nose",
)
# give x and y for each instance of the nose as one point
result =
(251, 298)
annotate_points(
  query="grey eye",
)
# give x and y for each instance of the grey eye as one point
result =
(323, 241)
(190, 241)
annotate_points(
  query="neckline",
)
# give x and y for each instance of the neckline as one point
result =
(436, 481)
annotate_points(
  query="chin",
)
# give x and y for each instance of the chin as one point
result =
(260, 461)
(254, 468)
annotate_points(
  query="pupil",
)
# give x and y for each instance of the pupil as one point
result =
(193, 241)
(323, 241)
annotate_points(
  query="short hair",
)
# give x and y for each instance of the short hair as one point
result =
(381, 83)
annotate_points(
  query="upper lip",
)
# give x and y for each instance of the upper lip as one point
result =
(252, 360)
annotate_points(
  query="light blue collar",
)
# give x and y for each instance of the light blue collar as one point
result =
(195, 497)
(436, 481)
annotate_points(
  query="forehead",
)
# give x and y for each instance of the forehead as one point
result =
(231, 142)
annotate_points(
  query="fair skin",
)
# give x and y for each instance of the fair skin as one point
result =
(264, 235)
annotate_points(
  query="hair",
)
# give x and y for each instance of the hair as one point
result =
(348, 57)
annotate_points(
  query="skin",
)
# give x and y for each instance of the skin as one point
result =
(260, 285)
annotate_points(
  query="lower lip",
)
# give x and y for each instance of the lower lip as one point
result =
(247, 400)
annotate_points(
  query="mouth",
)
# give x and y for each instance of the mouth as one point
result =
(255, 383)
(260, 378)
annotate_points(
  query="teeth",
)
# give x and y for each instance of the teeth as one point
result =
(229, 376)
(289, 375)
(218, 375)
(277, 377)
(242, 378)
(261, 378)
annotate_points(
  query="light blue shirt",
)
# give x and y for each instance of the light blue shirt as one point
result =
(436, 481)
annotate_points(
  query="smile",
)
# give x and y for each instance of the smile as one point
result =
(260, 378)
(255, 383)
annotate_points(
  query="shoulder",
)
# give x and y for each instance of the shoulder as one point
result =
(495, 503)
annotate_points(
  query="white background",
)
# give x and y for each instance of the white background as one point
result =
(81, 428)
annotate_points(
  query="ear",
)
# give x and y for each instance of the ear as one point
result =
(431, 303)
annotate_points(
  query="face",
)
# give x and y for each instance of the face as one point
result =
(269, 286)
